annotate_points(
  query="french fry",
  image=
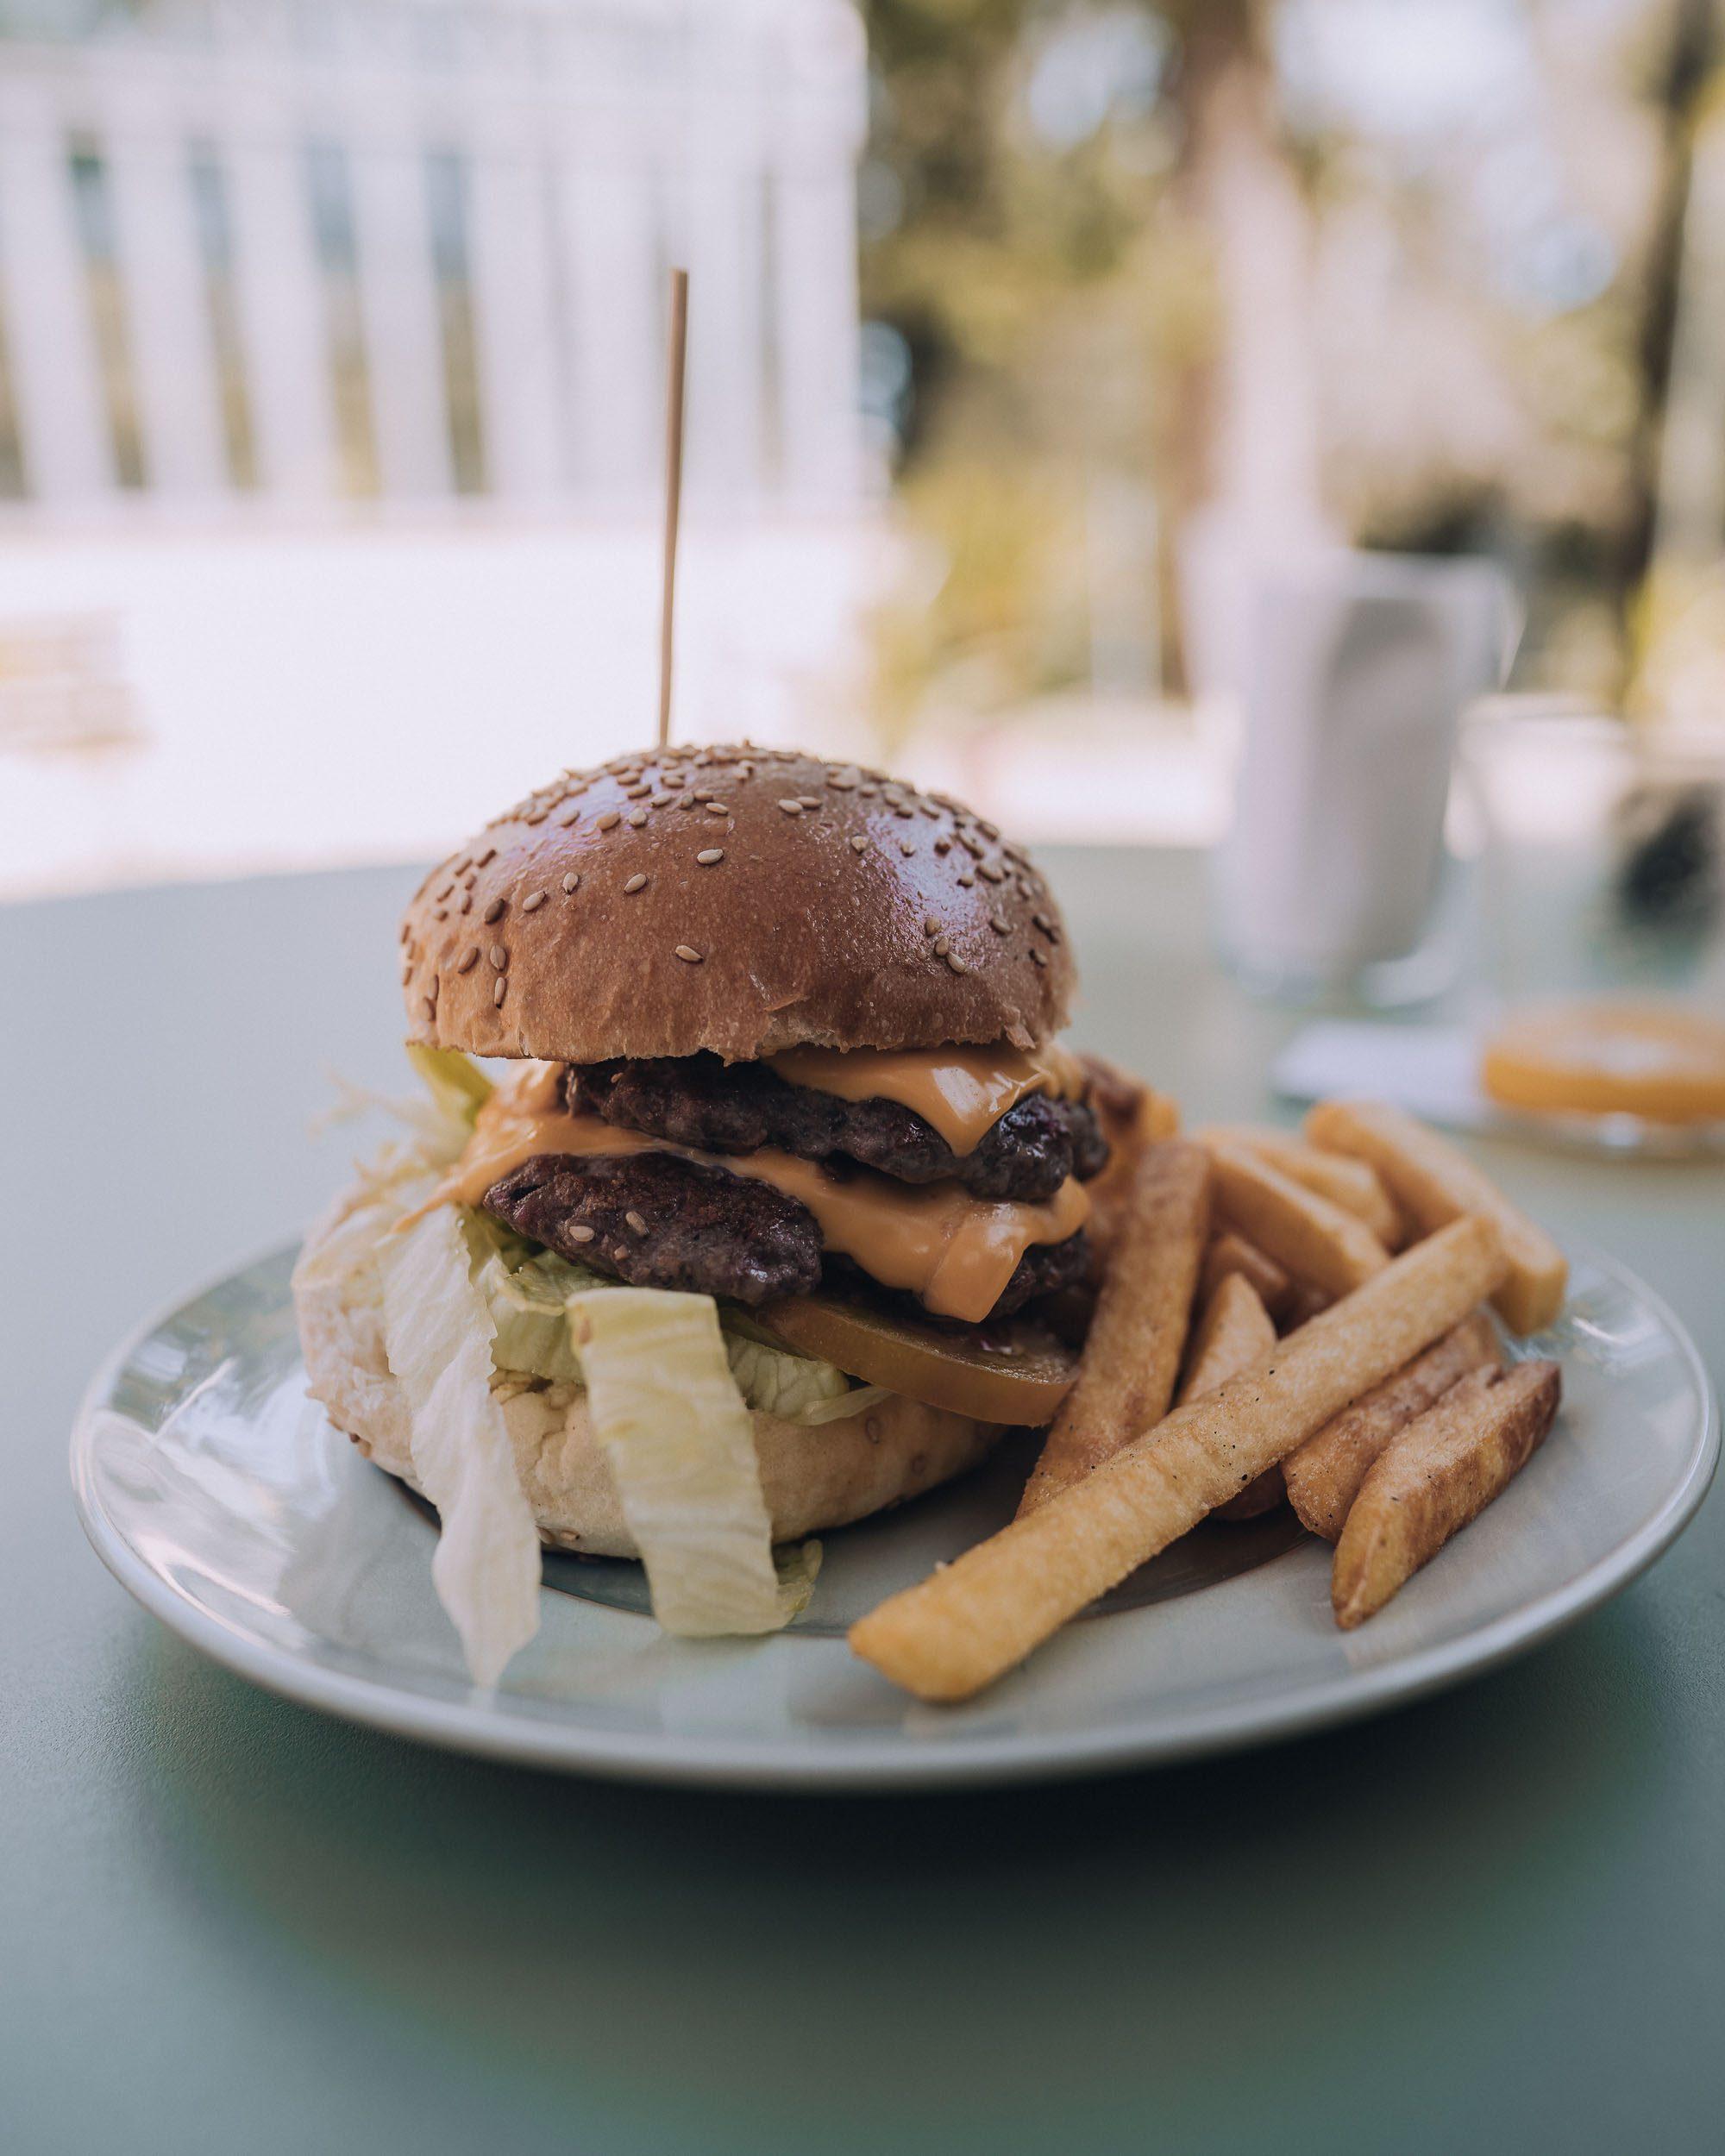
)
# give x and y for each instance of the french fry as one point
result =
(1229, 1252)
(1131, 1357)
(1304, 1301)
(1436, 1182)
(1352, 1184)
(1234, 1331)
(1134, 1116)
(1307, 1235)
(1324, 1477)
(1442, 1472)
(958, 1630)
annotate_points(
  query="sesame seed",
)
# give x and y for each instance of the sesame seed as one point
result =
(499, 958)
(687, 801)
(993, 870)
(636, 1222)
(966, 881)
(572, 818)
(466, 905)
(718, 808)
(499, 989)
(710, 856)
(636, 882)
(987, 830)
(956, 963)
(932, 925)
(578, 1234)
(868, 792)
(533, 905)
(1001, 925)
(442, 913)
(637, 793)
(859, 844)
(1039, 957)
(843, 780)
(636, 817)
(610, 820)
(663, 800)
(942, 947)
(810, 800)
(495, 911)
(943, 845)
(487, 858)
(688, 956)
(469, 959)
(538, 817)
(571, 880)
(792, 808)
(448, 888)
(929, 809)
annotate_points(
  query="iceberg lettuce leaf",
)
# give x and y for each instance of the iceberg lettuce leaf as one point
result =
(437, 1334)
(676, 1433)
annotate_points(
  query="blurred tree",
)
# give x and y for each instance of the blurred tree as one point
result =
(1405, 275)
(1038, 201)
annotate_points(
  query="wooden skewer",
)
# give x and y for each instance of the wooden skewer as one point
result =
(674, 487)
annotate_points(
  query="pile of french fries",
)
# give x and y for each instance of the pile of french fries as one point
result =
(1282, 1320)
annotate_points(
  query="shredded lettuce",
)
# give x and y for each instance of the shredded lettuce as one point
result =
(528, 1302)
(527, 1292)
(438, 1126)
(795, 1387)
(676, 1433)
(458, 1087)
(437, 1335)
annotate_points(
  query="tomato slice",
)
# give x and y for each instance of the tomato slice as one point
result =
(1021, 1375)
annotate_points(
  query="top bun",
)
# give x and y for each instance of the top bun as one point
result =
(745, 900)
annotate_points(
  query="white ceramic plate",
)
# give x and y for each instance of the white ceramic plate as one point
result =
(225, 1502)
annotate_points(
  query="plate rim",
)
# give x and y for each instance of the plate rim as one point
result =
(473, 1727)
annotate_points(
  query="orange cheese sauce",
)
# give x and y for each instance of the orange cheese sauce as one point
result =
(962, 1091)
(956, 1252)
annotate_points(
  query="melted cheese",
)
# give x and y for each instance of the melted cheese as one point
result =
(962, 1091)
(954, 1251)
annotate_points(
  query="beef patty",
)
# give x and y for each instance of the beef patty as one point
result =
(657, 1220)
(736, 1107)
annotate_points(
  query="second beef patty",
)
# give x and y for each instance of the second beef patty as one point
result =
(657, 1220)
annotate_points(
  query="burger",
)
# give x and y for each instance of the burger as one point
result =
(751, 1193)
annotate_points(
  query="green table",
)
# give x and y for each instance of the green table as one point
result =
(1495, 1920)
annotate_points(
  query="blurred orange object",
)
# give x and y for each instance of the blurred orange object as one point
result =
(1658, 1061)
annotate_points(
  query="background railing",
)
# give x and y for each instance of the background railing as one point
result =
(303, 254)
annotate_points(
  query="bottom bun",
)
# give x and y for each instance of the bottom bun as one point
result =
(812, 1477)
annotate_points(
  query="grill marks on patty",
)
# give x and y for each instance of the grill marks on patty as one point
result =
(657, 1220)
(720, 1107)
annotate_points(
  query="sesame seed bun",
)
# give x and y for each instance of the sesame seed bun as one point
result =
(744, 900)
(812, 1478)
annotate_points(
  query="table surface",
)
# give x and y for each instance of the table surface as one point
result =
(1493, 1919)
